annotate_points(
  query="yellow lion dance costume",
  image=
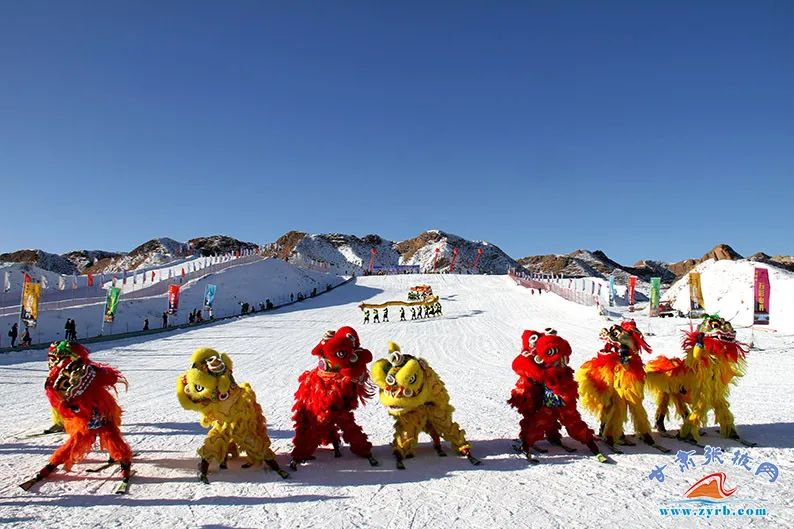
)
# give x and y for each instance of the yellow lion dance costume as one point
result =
(701, 381)
(230, 411)
(416, 397)
(613, 383)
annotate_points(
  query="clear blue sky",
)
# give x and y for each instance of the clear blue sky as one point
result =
(646, 129)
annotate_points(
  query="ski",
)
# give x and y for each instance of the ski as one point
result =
(613, 448)
(692, 441)
(473, 460)
(601, 458)
(29, 483)
(108, 464)
(519, 449)
(124, 486)
(662, 449)
(569, 449)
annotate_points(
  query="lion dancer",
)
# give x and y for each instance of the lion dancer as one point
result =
(78, 389)
(327, 396)
(613, 383)
(546, 394)
(701, 381)
(229, 409)
(416, 397)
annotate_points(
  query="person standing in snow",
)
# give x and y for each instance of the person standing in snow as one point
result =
(385, 314)
(146, 324)
(402, 313)
(165, 320)
(376, 317)
(366, 315)
(67, 329)
(26, 339)
(13, 333)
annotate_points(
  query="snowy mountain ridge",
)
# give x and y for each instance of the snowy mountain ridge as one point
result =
(351, 254)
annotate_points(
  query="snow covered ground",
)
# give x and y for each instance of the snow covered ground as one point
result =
(471, 347)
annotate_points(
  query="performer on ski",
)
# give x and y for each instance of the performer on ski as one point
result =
(78, 389)
(327, 396)
(416, 397)
(700, 382)
(231, 411)
(546, 394)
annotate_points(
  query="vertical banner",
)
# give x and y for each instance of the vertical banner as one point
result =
(209, 296)
(761, 297)
(656, 288)
(30, 303)
(696, 304)
(631, 289)
(611, 290)
(112, 304)
(173, 299)
(90, 279)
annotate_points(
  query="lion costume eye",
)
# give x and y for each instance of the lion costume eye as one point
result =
(412, 380)
(552, 351)
(390, 380)
(199, 388)
(395, 358)
(537, 359)
(408, 392)
(340, 354)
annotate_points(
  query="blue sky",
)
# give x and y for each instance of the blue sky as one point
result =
(646, 129)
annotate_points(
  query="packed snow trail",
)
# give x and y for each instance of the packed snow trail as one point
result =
(471, 347)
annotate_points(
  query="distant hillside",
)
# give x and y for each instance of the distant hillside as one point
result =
(351, 254)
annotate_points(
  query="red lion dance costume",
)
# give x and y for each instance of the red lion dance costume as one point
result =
(327, 396)
(78, 389)
(614, 382)
(546, 394)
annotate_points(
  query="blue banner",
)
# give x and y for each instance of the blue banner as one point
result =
(209, 296)
(611, 290)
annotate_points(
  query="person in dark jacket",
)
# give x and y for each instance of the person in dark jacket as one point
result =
(146, 324)
(165, 320)
(13, 333)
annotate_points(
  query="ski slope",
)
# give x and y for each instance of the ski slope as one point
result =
(471, 347)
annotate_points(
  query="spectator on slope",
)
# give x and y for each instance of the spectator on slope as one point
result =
(366, 315)
(291, 297)
(192, 317)
(376, 317)
(268, 304)
(72, 331)
(402, 313)
(67, 331)
(385, 314)
(26, 339)
(165, 320)
(13, 334)
(146, 324)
